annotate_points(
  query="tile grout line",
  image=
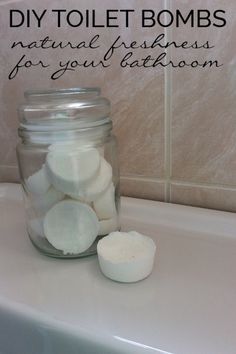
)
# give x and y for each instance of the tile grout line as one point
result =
(181, 182)
(143, 178)
(8, 166)
(168, 111)
(203, 185)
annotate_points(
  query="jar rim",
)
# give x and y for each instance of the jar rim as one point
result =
(64, 109)
(62, 92)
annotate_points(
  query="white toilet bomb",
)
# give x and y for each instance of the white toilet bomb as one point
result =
(70, 171)
(66, 147)
(36, 226)
(100, 183)
(44, 202)
(107, 226)
(104, 205)
(101, 150)
(93, 189)
(126, 256)
(71, 226)
(72, 147)
(38, 183)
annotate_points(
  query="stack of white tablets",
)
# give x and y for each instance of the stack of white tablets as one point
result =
(74, 197)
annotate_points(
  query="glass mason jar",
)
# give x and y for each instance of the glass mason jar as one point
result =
(69, 170)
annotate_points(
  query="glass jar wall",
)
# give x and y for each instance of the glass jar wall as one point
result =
(69, 170)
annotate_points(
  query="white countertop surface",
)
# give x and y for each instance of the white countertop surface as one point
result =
(186, 306)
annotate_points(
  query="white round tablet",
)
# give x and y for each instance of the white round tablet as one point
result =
(43, 203)
(65, 146)
(101, 150)
(35, 226)
(68, 171)
(107, 226)
(93, 189)
(38, 183)
(126, 256)
(71, 226)
(104, 205)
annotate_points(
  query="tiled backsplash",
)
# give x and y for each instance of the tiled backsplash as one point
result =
(176, 127)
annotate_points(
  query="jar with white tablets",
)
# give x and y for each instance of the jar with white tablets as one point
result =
(69, 170)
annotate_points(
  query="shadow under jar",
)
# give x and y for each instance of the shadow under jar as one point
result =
(69, 170)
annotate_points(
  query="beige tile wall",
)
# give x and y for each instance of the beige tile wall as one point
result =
(203, 124)
(176, 128)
